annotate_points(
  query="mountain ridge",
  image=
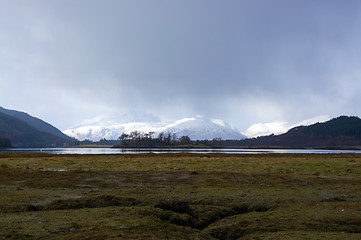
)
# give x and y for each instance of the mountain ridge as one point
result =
(340, 131)
(22, 134)
(35, 122)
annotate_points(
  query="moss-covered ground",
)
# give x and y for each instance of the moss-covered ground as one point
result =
(180, 196)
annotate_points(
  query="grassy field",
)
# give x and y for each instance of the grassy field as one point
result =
(180, 196)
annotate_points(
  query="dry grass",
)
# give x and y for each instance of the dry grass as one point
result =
(180, 196)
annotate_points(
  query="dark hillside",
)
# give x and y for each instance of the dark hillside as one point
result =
(341, 126)
(5, 142)
(35, 122)
(22, 134)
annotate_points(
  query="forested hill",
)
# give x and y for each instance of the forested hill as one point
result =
(22, 134)
(341, 126)
(339, 132)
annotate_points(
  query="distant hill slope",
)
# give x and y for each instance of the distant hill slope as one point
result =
(341, 126)
(22, 134)
(35, 122)
(341, 131)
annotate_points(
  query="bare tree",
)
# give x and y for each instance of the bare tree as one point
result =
(123, 137)
(185, 140)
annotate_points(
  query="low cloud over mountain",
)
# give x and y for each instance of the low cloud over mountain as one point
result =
(264, 129)
(197, 128)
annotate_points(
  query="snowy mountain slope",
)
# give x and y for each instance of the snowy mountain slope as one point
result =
(197, 128)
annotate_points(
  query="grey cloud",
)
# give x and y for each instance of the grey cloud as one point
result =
(242, 61)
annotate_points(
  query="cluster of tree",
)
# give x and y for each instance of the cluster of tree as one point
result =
(5, 142)
(146, 140)
(101, 142)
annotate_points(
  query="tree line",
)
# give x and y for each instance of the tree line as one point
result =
(163, 139)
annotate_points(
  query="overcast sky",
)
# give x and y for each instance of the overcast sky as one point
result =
(243, 61)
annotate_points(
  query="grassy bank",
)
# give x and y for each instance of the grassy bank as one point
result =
(180, 196)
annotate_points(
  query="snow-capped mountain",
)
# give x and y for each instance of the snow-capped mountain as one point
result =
(197, 128)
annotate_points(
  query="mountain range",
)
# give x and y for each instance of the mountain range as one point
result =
(23, 130)
(196, 128)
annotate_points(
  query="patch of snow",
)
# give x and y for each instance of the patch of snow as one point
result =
(264, 129)
(219, 122)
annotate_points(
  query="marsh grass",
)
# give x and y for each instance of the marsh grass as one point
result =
(180, 196)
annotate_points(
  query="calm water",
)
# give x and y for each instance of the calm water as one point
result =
(167, 150)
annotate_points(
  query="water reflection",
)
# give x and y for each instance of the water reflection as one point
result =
(169, 150)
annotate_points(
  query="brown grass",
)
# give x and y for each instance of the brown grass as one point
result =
(180, 196)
